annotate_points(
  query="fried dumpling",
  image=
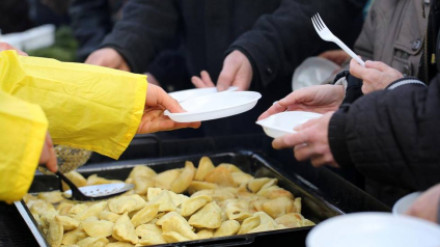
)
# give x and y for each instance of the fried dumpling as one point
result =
(76, 179)
(164, 201)
(237, 209)
(259, 222)
(241, 178)
(145, 215)
(119, 244)
(123, 230)
(52, 196)
(176, 228)
(55, 233)
(97, 228)
(95, 180)
(205, 166)
(227, 228)
(256, 184)
(67, 222)
(92, 211)
(181, 183)
(205, 233)
(193, 204)
(210, 217)
(126, 204)
(109, 216)
(274, 192)
(150, 234)
(221, 175)
(93, 242)
(142, 177)
(164, 179)
(72, 237)
(278, 206)
(290, 220)
(200, 185)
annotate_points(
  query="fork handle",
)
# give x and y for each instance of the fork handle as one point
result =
(350, 52)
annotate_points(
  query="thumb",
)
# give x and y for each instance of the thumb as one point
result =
(227, 75)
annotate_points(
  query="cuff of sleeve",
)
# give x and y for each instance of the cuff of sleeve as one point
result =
(337, 138)
(405, 81)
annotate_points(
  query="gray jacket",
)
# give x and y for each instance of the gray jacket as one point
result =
(395, 38)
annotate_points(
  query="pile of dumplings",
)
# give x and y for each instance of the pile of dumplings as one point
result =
(176, 205)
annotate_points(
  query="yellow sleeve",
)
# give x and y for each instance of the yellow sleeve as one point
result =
(87, 106)
(23, 128)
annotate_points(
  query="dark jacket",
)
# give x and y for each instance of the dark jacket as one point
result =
(275, 35)
(391, 136)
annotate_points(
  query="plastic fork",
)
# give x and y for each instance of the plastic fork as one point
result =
(327, 35)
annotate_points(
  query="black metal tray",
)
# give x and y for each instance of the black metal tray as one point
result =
(314, 206)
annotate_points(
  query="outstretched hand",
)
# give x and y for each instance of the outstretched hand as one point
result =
(375, 75)
(310, 142)
(236, 71)
(108, 57)
(319, 98)
(153, 119)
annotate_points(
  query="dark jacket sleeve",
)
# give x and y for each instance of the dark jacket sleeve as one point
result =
(280, 41)
(146, 27)
(90, 21)
(391, 136)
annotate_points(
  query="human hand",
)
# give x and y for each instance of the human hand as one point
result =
(153, 119)
(203, 81)
(108, 57)
(48, 156)
(310, 142)
(236, 71)
(426, 205)
(5, 46)
(152, 79)
(375, 75)
(317, 98)
(337, 56)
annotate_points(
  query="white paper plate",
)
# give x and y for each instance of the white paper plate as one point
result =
(214, 106)
(284, 122)
(403, 204)
(374, 229)
(195, 92)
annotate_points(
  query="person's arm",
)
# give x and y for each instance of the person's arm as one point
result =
(282, 40)
(391, 135)
(145, 28)
(91, 22)
(23, 128)
(88, 106)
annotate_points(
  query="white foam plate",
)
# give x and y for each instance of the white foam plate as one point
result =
(374, 229)
(183, 95)
(403, 204)
(283, 123)
(215, 106)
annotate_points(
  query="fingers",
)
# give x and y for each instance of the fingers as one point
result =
(226, 76)
(203, 81)
(5, 46)
(290, 140)
(48, 155)
(377, 65)
(275, 108)
(156, 96)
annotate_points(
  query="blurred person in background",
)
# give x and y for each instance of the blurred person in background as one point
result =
(389, 134)
(251, 44)
(78, 104)
(92, 20)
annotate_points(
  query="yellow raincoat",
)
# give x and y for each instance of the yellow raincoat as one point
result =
(81, 105)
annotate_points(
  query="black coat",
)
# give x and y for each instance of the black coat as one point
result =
(275, 35)
(392, 136)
